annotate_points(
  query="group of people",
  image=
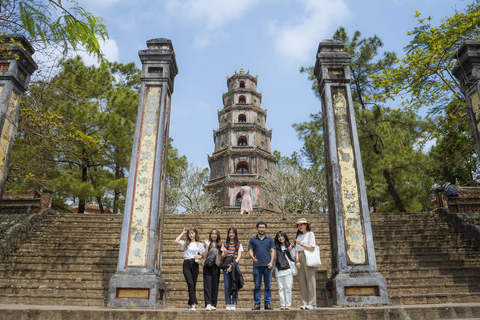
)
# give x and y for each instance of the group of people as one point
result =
(271, 257)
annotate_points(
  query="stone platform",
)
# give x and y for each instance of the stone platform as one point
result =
(417, 312)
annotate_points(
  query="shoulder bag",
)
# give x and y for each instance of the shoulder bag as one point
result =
(312, 257)
(210, 260)
(293, 268)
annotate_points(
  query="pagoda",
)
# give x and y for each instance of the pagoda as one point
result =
(242, 146)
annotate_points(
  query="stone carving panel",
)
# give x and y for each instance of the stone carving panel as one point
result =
(8, 126)
(144, 171)
(354, 231)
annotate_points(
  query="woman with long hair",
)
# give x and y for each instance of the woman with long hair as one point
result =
(193, 251)
(231, 253)
(211, 274)
(283, 251)
(305, 240)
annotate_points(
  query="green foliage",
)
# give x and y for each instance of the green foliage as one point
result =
(53, 22)
(75, 134)
(424, 79)
(394, 167)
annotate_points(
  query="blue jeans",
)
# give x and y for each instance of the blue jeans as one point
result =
(229, 298)
(258, 272)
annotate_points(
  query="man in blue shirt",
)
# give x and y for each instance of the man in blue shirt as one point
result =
(261, 250)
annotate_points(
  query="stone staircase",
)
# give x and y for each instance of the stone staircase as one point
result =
(70, 258)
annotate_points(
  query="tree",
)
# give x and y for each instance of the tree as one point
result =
(423, 79)
(296, 190)
(52, 22)
(189, 195)
(387, 138)
(75, 133)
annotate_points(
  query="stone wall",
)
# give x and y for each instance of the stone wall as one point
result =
(19, 230)
(468, 224)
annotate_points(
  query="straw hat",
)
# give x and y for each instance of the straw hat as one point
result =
(300, 221)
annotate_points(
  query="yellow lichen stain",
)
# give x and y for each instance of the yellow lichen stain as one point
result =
(8, 127)
(139, 223)
(475, 103)
(354, 237)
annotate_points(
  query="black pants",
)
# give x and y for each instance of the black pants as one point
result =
(211, 278)
(190, 272)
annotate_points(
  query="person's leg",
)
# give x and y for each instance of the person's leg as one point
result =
(195, 272)
(288, 282)
(281, 290)
(267, 278)
(302, 278)
(226, 287)
(207, 285)
(214, 285)
(257, 280)
(187, 273)
(311, 285)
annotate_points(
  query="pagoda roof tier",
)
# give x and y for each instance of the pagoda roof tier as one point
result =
(242, 126)
(234, 179)
(242, 90)
(241, 75)
(246, 106)
(231, 150)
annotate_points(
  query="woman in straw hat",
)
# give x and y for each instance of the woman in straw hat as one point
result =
(305, 240)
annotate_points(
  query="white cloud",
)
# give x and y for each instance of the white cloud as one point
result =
(109, 49)
(211, 15)
(296, 40)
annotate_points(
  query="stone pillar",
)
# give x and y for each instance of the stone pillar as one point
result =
(467, 72)
(355, 280)
(138, 278)
(16, 67)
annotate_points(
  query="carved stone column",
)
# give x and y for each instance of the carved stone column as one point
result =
(355, 280)
(16, 67)
(468, 74)
(138, 278)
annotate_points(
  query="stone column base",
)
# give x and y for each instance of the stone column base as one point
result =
(357, 288)
(136, 290)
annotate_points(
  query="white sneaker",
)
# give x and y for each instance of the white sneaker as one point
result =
(309, 307)
(208, 307)
(304, 307)
(194, 307)
(232, 307)
(212, 308)
(228, 307)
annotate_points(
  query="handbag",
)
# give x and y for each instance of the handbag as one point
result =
(293, 268)
(198, 253)
(210, 260)
(313, 257)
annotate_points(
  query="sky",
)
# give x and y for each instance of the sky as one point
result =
(271, 38)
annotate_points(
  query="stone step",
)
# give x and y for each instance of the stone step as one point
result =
(35, 299)
(433, 298)
(445, 279)
(420, 312)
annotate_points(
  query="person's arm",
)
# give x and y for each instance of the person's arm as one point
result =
(239, 257)
(224, 251)
(252, 255)
(205, 253)
(297, 260)
(309, 246)
(272, 257)
(177, 241)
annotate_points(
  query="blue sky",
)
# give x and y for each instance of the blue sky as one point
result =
(271, 38)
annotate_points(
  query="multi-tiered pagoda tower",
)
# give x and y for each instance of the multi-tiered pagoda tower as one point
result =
(242, 145)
